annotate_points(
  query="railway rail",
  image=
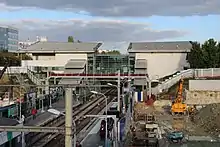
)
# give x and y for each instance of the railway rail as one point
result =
(42, 139)
(59, 140)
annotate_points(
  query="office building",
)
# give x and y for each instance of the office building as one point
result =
(8, 38)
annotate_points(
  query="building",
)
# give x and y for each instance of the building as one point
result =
(8, 38)
(54, 56)
(159, 59)
(58, 57)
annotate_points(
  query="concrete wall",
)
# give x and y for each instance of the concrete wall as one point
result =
(162, 64)
(59, 60)
(207, 85)
(202, 97)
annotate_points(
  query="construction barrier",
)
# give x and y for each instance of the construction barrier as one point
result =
(138, 96)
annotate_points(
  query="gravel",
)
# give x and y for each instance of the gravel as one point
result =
(208, 118)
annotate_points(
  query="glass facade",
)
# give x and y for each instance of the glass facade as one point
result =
(109, 63)
(8, 38)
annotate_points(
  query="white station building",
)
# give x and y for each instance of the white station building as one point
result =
(159, 59)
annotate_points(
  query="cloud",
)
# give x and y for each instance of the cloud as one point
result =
(105, 30)
(125, 7)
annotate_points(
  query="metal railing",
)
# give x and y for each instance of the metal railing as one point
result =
(197, 73)
(190, 73)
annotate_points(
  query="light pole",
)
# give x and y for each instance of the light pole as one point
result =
(106, 118)
(118, 87)
(47, 89)
(56, 112)
(148, 84)
(119, 99)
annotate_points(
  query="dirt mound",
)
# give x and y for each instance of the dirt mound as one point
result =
(208, 118)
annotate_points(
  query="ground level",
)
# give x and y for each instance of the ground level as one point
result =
(169, 123)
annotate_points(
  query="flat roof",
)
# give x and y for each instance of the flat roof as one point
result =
(176, 46)
(75, 64)
(61, 47)
(8, 27)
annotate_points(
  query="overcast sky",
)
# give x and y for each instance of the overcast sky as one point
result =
(114, 22)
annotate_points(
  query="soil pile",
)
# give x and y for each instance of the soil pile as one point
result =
(209, 119)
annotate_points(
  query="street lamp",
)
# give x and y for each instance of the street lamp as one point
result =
(56, 112)
(106, 119)
(148, 83)
(118, 87)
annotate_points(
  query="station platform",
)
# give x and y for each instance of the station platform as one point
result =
(43, 117)
(93, 138)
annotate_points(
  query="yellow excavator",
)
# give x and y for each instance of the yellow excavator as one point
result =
(178, 106)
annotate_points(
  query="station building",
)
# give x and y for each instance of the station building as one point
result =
(159, 59)
(155, 59)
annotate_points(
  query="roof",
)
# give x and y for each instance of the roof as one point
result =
(8, 27)
(76, 63)
(77, 66)
(8, 122)
(51, 47)
(178, 46)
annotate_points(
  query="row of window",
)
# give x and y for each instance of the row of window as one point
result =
(49, 68)
(13, 42)
(13, 47)
(8, 30)
(2, 29)
(12, 36)
(13, 31)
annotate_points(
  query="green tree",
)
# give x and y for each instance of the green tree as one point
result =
(206, 55)
(195, 56)
(114, 52)
(70, 39)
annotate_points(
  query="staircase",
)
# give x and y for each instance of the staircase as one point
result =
(33, 78)
(165, 85)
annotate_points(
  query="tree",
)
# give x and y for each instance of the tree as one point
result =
(113, 52)
(12, 58)
(70, 39)
(206, 55)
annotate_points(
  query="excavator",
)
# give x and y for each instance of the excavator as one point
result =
(178, 106)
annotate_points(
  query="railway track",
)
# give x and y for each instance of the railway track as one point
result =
(59, 140)
(42, 139)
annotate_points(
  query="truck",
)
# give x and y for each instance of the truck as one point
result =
(145, 130)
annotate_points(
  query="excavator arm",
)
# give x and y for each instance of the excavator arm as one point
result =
(177, 105)
(179, 97)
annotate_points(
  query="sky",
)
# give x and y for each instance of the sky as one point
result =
(113, 22)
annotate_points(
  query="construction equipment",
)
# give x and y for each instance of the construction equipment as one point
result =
(192, 110)
(145, 131)
(178, 106)
(176, 136)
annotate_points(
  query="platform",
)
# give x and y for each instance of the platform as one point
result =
(44, 117)
(93, 138)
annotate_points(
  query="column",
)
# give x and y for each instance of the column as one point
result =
(68, 117)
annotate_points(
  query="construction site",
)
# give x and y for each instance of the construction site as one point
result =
(183, 114)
